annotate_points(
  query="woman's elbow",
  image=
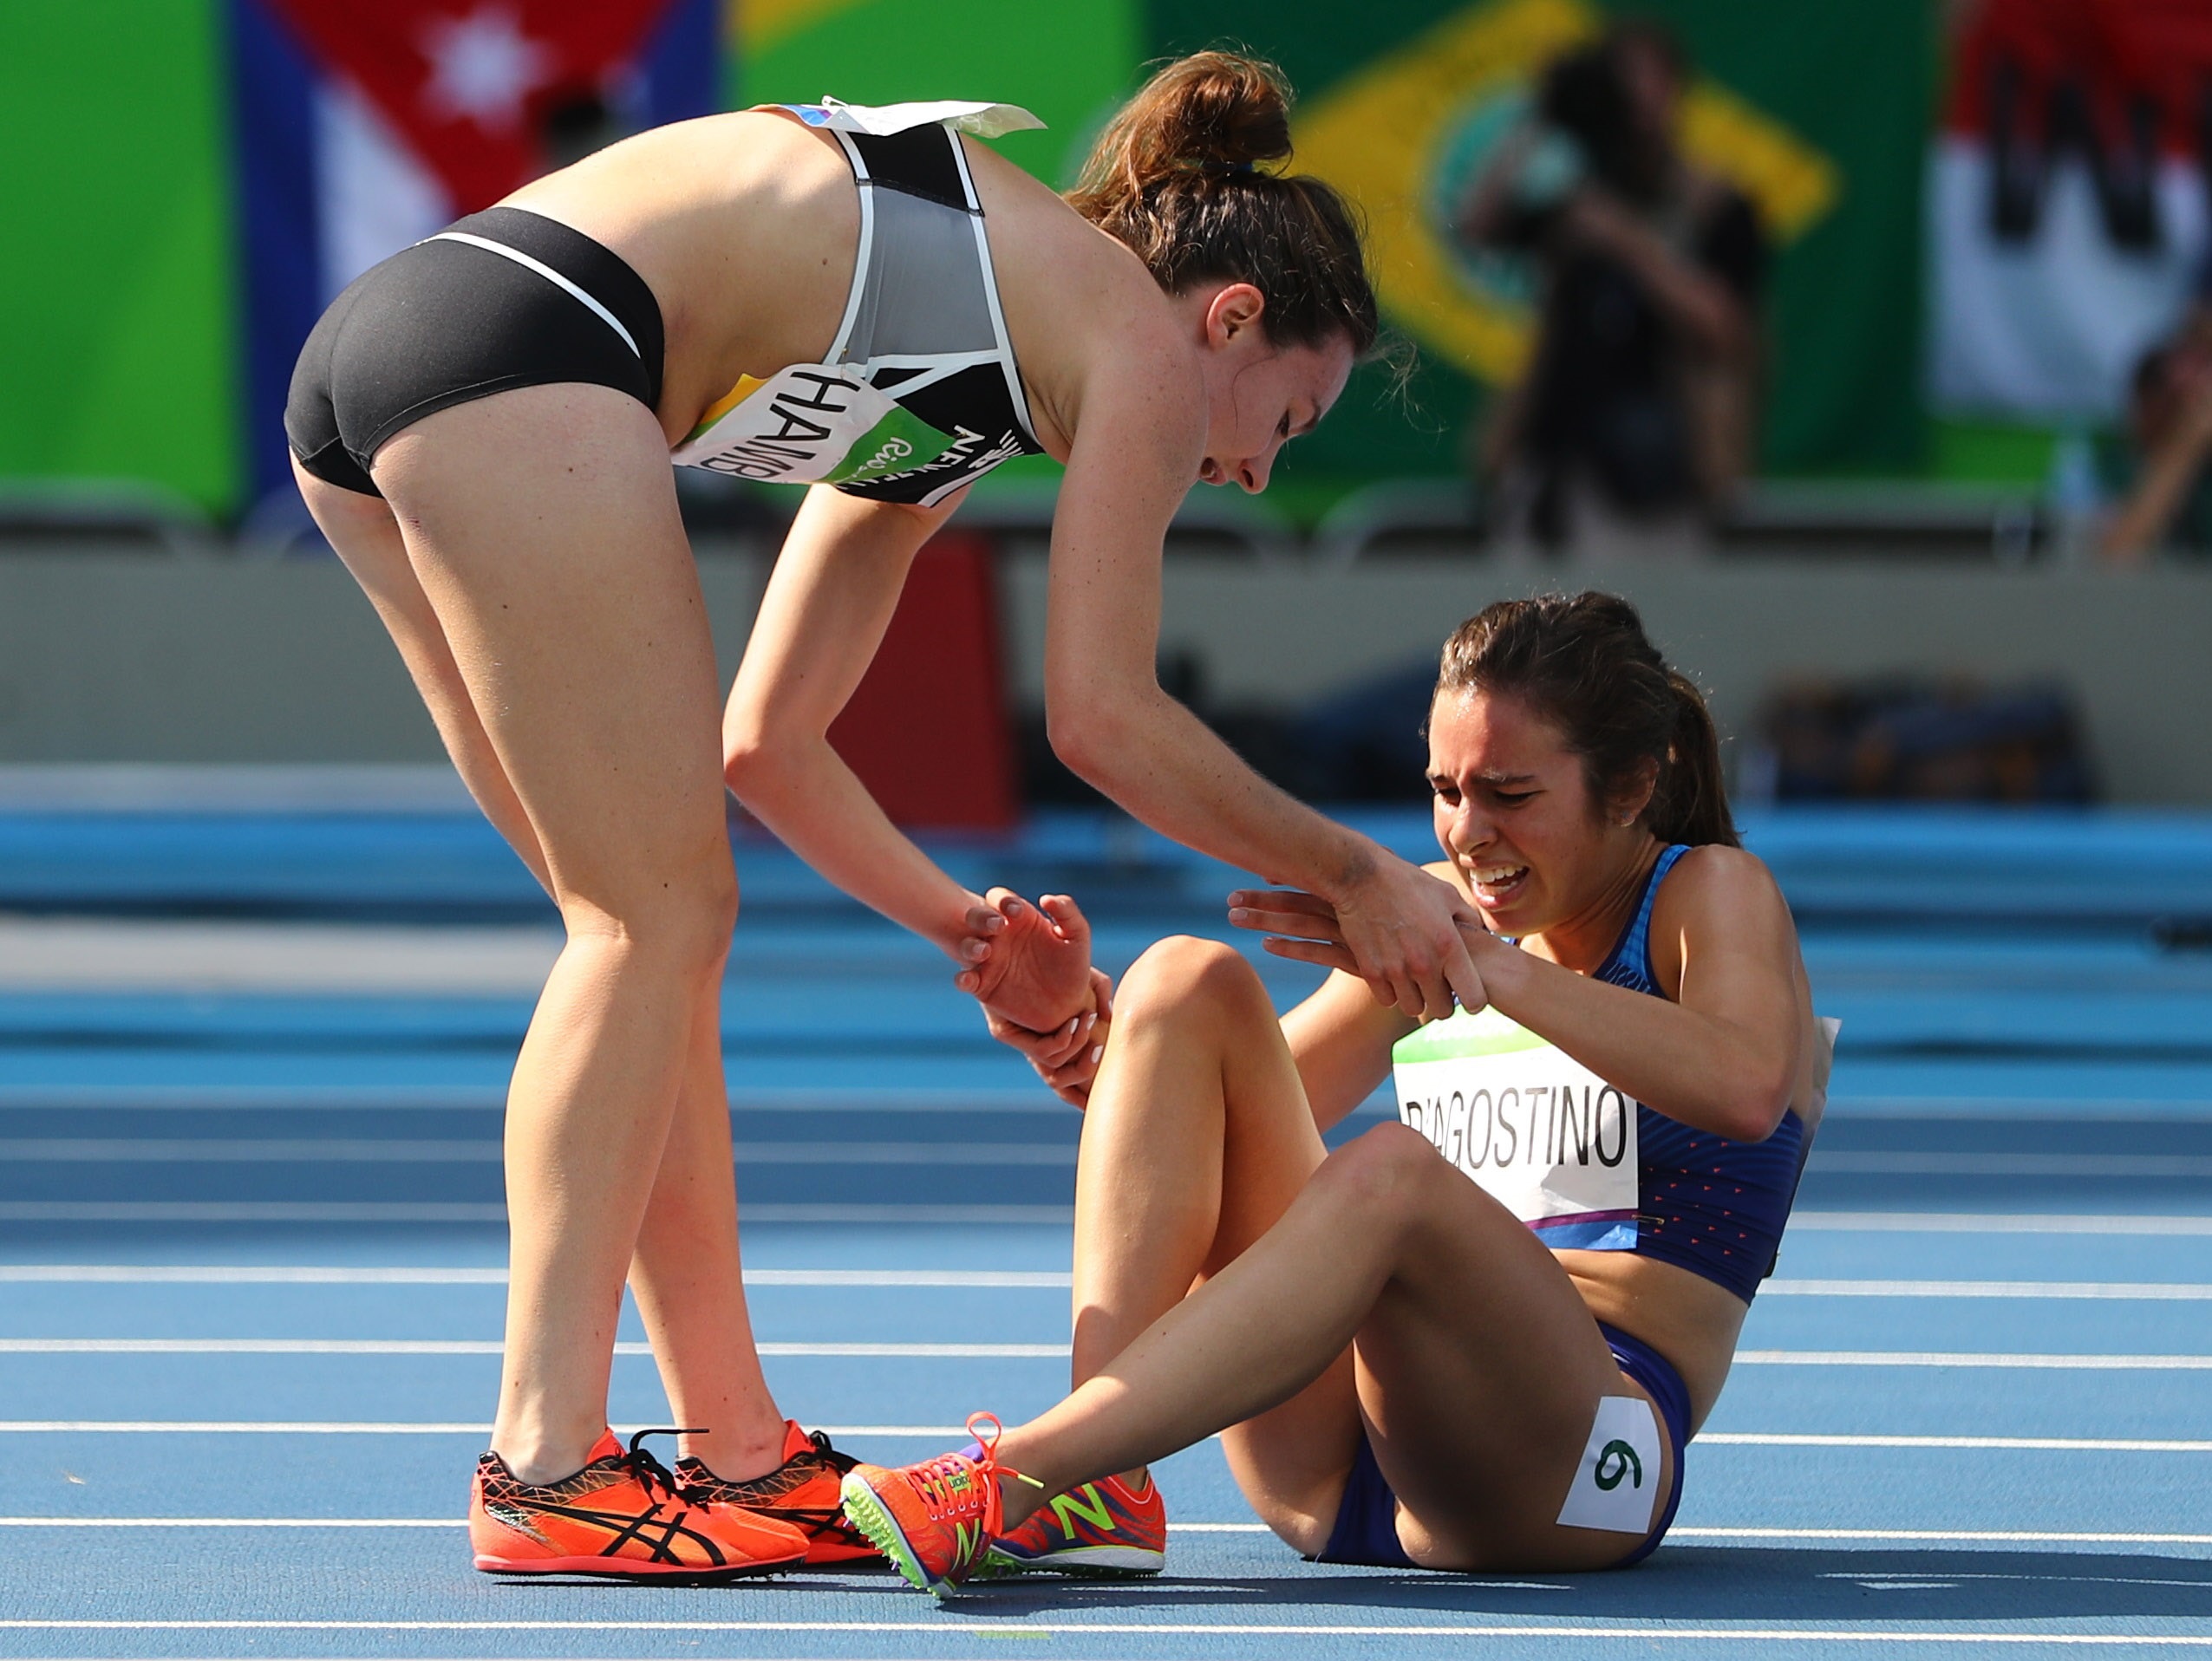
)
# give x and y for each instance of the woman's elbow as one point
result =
(1753, 1107)
(1082, 738)
(750, 760)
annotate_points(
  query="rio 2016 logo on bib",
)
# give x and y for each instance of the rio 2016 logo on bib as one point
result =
(813, 425)
(1533, 1128)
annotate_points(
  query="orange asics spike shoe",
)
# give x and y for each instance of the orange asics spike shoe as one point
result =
(1105, 1529)
(934, 1520)
(802, 1491)
(622, 1517)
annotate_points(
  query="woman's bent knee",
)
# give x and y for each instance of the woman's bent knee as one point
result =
(1382, 1173)
(1185, 975)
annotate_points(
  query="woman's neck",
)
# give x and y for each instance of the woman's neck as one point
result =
(1584, 940)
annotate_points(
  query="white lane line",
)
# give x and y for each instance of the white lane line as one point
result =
(1853, 1162)
(2119, 1290)
(344, 1151)
(1035, 1351)
(1994, 1222)
(368, 1427)
(2022, 1445)
(267, 1274)
(1958, 1536)
(1679, 1531)
(1178, 1527)
(932, 1432)
(475, 1346)
(257, 1274)
(1000, 1629)
(439, 1211)
(1972, 1358)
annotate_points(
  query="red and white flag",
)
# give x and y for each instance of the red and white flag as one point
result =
(2067, 201)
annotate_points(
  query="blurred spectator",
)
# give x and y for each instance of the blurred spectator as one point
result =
(2167, 501)
(1641, 391)
(1912, 738)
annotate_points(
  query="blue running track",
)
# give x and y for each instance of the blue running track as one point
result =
(250, 1268)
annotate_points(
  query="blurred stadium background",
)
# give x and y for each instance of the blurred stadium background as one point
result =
(1979, 217)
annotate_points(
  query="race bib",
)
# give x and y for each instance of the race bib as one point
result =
(812, 425)
(1537, 1130)
(1616, 1484)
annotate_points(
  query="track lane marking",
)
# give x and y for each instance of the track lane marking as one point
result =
(426, 1427)
(2091, 1362)
(275, 1274)
(259, 1274)
(1001, 1629)
(1995, 1222)
(1972, 1359)
(369, 1151)
(407, 1211)
(488, 1347)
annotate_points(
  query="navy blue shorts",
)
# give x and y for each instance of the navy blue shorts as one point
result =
(1367, 1518)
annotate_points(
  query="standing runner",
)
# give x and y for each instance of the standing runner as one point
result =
(867, 300)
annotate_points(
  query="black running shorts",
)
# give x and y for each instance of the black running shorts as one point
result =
(447, 321)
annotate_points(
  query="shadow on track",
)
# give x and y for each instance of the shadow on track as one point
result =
(1688, 1582)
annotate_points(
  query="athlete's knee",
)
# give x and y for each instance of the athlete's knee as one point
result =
(1186, 978)
(1381, 1175)
(675, 917)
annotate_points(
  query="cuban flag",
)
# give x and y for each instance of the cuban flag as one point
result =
(2067, 201)
(361, 129)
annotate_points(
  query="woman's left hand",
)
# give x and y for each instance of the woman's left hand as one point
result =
(1034, 972)
(1304, 926)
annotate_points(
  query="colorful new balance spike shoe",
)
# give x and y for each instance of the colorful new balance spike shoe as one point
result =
(804, 1491)
(934, 1520)
(1104, 1528)
(622, 1517)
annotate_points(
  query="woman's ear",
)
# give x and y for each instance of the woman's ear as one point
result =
(1233, 311)
(1634, 796)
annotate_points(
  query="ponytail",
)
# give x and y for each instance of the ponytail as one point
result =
(1183, 177)
(1586, 666)
(1691, 804)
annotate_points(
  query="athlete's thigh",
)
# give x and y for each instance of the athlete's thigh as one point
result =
(367, 538)
(1291, 1462)
(543, 525)
(1480, 1372)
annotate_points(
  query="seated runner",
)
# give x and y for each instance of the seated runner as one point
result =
(1478, 1339)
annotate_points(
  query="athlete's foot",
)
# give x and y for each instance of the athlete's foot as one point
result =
(624, 1517)
(934, 1520)
(1114, 1527)
(804, 1491)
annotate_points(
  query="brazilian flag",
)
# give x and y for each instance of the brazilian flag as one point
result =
(1816, 111)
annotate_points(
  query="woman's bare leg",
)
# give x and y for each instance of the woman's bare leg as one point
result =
(1480, 1368)
(686, 1272)
(542, 531)
(1196, 1140)
(687, 1280)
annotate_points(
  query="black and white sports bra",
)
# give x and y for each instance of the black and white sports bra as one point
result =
(919, 394)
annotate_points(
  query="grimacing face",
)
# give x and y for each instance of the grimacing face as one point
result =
(1516, 815)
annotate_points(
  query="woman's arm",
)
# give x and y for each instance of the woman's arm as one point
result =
(1695, 300)
(1136, 453)
(1725, 1057)
(2143, 517)
(1341, 1039)
(828, 602)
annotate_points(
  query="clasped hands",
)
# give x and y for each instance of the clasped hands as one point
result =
(1404, 932)
(1029, 965)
